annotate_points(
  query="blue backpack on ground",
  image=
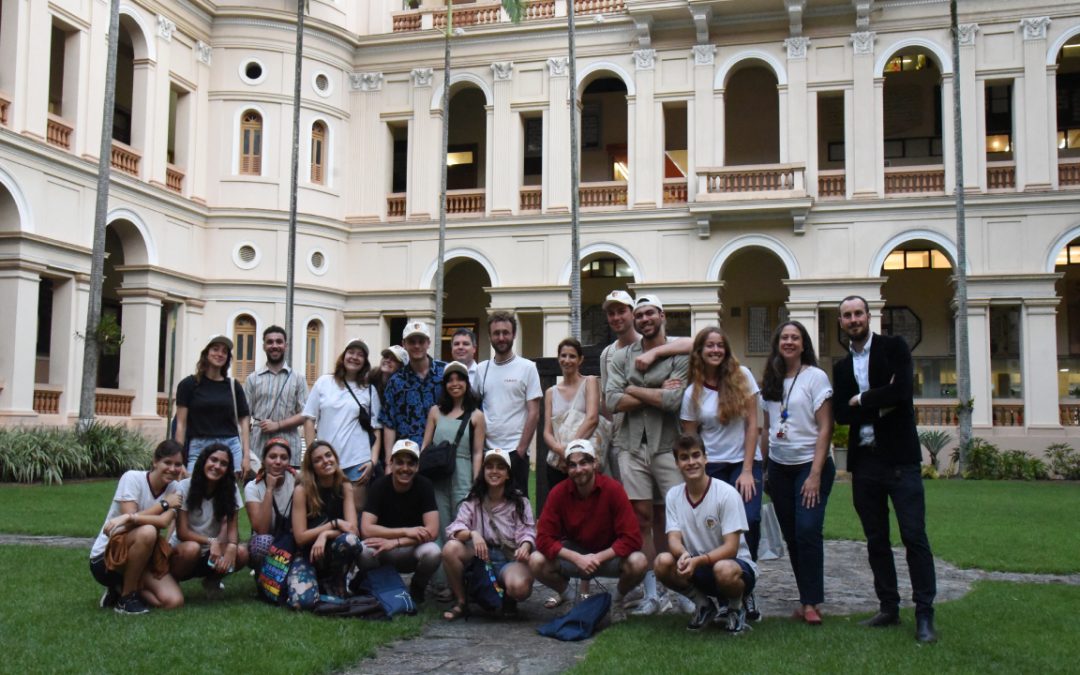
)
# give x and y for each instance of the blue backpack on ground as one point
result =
(581, 621)
(386, 585)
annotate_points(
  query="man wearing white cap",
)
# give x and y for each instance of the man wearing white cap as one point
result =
(587, 529)
(400, 521)
(651, 401)
(412, 390)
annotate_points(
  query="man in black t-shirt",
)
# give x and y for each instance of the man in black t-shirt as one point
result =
(400, 522)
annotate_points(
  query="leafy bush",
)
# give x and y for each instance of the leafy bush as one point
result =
(934, 442)
(840, 436)
(983, 460)
(51, 454)
(929, 471)
(986, 462)
(1019, 465)
(1064, 461)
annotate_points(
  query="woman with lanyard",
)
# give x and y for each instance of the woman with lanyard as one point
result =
(346, 409)
(798, 416)
(211, 407)
(269, 499)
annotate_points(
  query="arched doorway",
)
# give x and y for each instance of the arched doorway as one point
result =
(313, 352)
(751, 116)
(467, 152)
(754, 303)
(244, 346)
(112, 310)
(912, 109)
(1068, 321)
(466, 304)
(1067, 77)
(601, 273)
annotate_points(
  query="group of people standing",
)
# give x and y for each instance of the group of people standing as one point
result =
(664, 454)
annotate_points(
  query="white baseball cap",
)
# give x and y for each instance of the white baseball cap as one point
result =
(398, 352)
(497, 453)
(356, 342)
(405, 446)
(620, 297)
(416, 328)
(582, 445)
(456, 367)
(649, 300)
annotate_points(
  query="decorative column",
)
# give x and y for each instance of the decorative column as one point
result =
(1033, 148)
(1040, 368)
(706, 314)
(424, 136)
(369, 199)
(200, 130)
(556, 196)
(20, 283)
(797, 133)
(979, 355)
(865, 169)
(193, 334)
(70, 300)
(139, 353)
(156, 154)
(643, 120)
(504, 166)
(556, 327)
(707, 120)
(971, 93)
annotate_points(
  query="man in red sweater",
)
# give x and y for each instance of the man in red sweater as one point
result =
(588, 528)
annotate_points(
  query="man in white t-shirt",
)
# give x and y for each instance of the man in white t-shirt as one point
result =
(708, 560)
(510, 388)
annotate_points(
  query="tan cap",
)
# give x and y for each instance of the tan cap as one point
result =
(618, 297)
(220, 339)
(405, 446)
(456, 367)
(398, 352)
(497, 453)
(356, 342)
(416, 328)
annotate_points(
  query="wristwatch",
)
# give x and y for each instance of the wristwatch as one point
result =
(164, 506)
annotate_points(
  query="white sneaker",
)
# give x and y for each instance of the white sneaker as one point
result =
(636, 595)
(685, 604)
(647, 607)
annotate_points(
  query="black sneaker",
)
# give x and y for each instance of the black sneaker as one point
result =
(417, 591)
(703, 616)
(750, 603)
(131, 604)
(108, 599)
(736, 621)
(721, 610)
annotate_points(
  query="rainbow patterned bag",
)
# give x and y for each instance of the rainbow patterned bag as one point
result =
(272, 579)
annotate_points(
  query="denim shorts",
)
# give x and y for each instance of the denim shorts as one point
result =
(705, 581)
(197, 445)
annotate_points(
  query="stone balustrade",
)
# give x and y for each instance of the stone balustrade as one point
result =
(751, 180)
(1001, 175)
(1069, 172)
(832, 184)
(58, 132)
(113, 402)
(531, 198)
(47, 399)
(395, 205)
(464, 202)
(602, 194)
(5, 103)
(675, 190)
(174, 178)
(125, 158)
(915, 180)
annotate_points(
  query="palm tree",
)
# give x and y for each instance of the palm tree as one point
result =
(91, 348)
(575, 182)
(290, 279)
(963, 358)
(515, 9)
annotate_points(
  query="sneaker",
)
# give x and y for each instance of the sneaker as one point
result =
(417, 591)
(131, 604)
(703, 615)
(721, 609)
(684, 604)
(750, 603)
(109, 599)
(213, 587)
(636, 595)
(736, 621)
(647, 607)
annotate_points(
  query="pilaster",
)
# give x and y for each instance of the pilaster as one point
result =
(865, 169)
(504, 144)
(1036, 153)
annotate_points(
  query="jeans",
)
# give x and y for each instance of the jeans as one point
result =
(802, 526)
(729, 472)
(872, 485)
(197, 445)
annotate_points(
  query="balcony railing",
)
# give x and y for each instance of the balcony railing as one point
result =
(540, 9)
(741, 182)
(125, 158)
(395, 205)
(936, 414)
(1069, 414)
(163, 405)
(174, 178)
(832, 184)
(489, 13)
(675, 190)
(5, 103)
(469, 15)
(406, 21)
(598, 6)
(113, 402)
(47, 399)
(1001, 175)
(602, 195)
(58, 132)
(531, 198)
(1008, 414)
(915, 180)
(1069, 172)
(464, 202)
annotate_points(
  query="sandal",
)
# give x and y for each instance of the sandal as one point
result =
(456, 611)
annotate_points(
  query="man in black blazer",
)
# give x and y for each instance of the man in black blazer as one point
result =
(873, 394)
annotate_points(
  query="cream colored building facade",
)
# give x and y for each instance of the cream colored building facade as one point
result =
(747, 160)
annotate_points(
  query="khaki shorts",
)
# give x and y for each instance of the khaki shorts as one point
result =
(648, 477)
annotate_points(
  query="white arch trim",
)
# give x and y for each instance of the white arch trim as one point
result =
(26, 220)
(1059, 243)
(1052, 51)
(472, 78)
(140, 225)
(605, 247)
(148, 36)
(716, 266)
(427, 281)
(937, 238)
(750, 54)
(942, 56)
(615, 68)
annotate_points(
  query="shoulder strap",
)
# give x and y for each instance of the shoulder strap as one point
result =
(235, 413)
(465, 419)
(353, 394)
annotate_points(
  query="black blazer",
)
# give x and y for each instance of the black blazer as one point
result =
(887, 404)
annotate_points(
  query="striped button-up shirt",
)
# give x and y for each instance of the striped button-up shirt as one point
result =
(275, 397)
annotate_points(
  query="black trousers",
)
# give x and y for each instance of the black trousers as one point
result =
(874, 483)
(519, 472)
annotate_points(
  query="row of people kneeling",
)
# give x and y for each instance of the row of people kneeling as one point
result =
(587, 529)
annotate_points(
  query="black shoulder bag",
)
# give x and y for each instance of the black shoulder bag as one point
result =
(438, 459)
(363, 417)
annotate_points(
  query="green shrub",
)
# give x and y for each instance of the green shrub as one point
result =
(840, 436)
(983, 460)
(929, 471)
(934, 441)
(51, 454)
(1019, 465)
(1064, 461)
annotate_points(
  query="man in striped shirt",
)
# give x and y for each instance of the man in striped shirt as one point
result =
(276, 395)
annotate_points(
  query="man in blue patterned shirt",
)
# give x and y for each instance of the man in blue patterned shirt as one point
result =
(412, 390)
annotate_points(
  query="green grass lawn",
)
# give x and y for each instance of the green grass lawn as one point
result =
(50, 622)
(999, 627)
(992, 525)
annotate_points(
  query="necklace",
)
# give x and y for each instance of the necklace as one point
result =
(784, 413)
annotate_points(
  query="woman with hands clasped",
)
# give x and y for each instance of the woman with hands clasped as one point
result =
(269, 499)
(797, 399)
(571, 408)
(495, 523)
(143, 505)
(324, 523)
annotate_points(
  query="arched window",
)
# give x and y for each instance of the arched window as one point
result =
(251, 143)
(318, 153)
(314, 347)
(244, 352)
